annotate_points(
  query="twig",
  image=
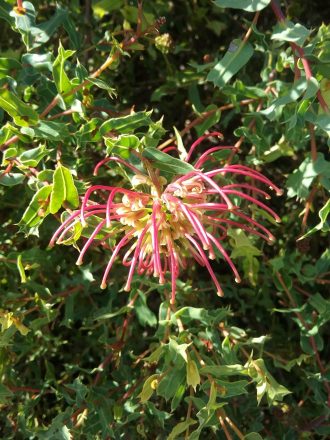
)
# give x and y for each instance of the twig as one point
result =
(313, 142)
(191, 393)
(308, 71)
(237, 431)
(293, 303)
(202, 118)
(225, 430)
(110, 60)
(308, 206)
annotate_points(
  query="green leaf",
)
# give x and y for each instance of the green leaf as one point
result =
(103, 7)
(170, 383)
(31, 158)
(210, 121)
(25, 23)
(324, 224)
(166, 163)
(224, 370)
(47, 28)
(9, 64)
(182, 151)
(50, 130)
(180, 428)
(21, 269)
(265, 382)
(23, 114)
(288, 31)
(64, 190)
(122, 144)
(242, 245)
(178, 349)
(126, 124)
(193, 377)
(300, 180)
(149, 387)
(247, 5)
(38, 208)
(5, 392)
(61, 79)
(291, 95)
(143, 312)
(102, 85)
(253, 436)
(38, 61)
(11, 179)
(237, 55)
(230, 389)
(5, 10)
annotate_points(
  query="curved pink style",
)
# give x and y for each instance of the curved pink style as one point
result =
(162, 225)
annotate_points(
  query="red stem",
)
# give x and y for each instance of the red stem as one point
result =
(293, 303)
(308, 71)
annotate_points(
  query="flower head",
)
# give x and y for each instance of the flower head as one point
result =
(162, 224)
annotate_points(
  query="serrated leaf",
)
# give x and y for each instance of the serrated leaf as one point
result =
(22, 113)
(247, 5)
(237, 55)
(64, 190)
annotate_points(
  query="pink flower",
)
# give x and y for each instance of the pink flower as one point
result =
(161, 224)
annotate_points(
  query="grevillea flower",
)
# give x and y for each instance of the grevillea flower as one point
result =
(160, 224)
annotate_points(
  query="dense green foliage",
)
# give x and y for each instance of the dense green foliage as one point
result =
(83, 79)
